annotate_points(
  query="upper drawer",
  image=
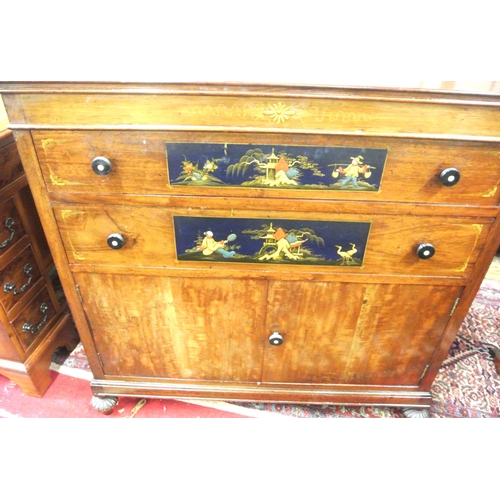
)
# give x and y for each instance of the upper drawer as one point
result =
(236, 239)
(271, 166)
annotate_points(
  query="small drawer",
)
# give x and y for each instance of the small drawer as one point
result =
(140, 236)
(11, 228)
(17, 277)
(274, 166)
(34, 318)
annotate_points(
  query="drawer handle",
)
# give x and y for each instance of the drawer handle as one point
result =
(116, 241)
(449, 177)
(101, 165)
(8, 224)
(275, 338)
(10, 287)
(29, 328)
(425, 250)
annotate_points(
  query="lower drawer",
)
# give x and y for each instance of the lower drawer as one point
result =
(149, 236)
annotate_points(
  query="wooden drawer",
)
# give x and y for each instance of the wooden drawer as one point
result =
(34, 318)
(404, 170)
(17, 277)
(11, 227)
(10, 162)
(161, 236)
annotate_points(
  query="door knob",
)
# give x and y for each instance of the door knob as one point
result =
(101, 165)
(276, 339)
(449, 177)
(116, 241)
(426, 250)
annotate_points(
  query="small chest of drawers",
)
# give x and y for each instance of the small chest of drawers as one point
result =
(259, 243)
(34, 318)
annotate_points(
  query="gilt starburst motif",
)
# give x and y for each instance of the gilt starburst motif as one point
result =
(279, 112)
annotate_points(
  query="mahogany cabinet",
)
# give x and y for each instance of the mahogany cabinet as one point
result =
(34, 317)
(264, 243)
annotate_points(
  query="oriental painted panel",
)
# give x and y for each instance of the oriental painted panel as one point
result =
(275, 166)
(272, 240)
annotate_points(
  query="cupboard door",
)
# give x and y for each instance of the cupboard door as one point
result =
(176, 327)
(347, 333)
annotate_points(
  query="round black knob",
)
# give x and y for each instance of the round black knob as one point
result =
(276, 339)
(101, 165)
(425, 251)
(116, 241)
(449, 176)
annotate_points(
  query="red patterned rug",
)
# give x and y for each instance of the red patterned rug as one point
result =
(467, 384)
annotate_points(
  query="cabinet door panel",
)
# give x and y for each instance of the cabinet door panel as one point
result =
(177, 328)
(341, 333)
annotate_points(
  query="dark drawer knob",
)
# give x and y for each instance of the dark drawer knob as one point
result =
(116, 241)
(425, 250)
(449, 176)
(101, 165)
(276, 339)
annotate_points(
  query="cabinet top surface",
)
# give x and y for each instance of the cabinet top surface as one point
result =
(256, 107)
(451, 90)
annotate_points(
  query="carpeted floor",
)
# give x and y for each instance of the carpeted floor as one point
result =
(467, 384)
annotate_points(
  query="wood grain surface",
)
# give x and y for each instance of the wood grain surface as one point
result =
(139, 160)
(155, 325)
(150, 239)
(334, 333)
(369, 114)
